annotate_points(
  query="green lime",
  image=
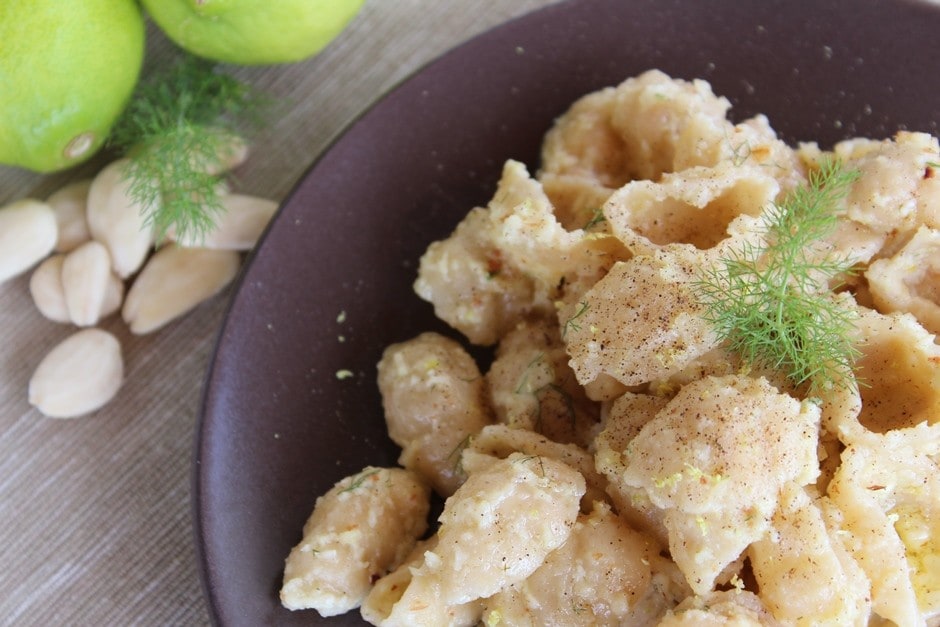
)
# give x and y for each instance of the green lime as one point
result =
(252, 32)
(67, 70)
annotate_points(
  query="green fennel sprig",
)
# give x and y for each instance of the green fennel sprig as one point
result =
(180, 125)
(771, 302)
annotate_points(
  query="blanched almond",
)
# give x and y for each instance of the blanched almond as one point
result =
(27, 234)
(45, 286)
(232, 152)
(70, 204)
(238, 227)
(113, 296)
(86, 273)
(78, 376)
(174, 281)
(117, 221)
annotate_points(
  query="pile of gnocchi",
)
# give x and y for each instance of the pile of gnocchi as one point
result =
(616, 463)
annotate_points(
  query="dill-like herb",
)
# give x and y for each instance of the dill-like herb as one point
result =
(529, 458)
(572, 322)
(524, 379)
(597, 217)
(457, 454)
(770, 301)
(359, 480)
(176, 130)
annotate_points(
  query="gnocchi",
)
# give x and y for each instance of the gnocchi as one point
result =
(617, 462)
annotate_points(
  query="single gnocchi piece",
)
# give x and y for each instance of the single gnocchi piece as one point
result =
(511, 259)
(887, 492)
(883, 202)
(496, 442)
(524, 227)
(668, 125)
(531, 386)
(471, 287)
(379, 607)
(624, 418)
(598, 577)
(899, 370)
(358, 531)
(695, 206)
(642, 321)
(805, 573)
(910, 280)
(714, 460)
(496, 530)
(434, 398)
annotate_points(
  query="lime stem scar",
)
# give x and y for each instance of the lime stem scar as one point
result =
(79, 145)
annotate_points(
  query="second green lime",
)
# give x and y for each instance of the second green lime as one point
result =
(253, 32)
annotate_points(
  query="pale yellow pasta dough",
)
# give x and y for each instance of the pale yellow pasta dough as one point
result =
(624, 418)
(619, 464)
(900, 372)
(733, 608)
(694, 206)
(598, 577)
(381, 606)
(496, 530)
(496, 442)
(434, 398)
(644, 128)
(642, 321)
(884, 200)
(464, 277)
(888, 493)
(531, 386)
(526, 230)
(909, 281)
(668, 125)
(715, 459)
(510, 259)
(805, 574)
(358, 531)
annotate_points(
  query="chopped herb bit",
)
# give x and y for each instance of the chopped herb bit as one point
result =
(360, 479)
(572, 323)
(344, 374)
(597, 217)
(740, 153)
(457, 454)
(529, 458)
(523, 381)
(541, 395)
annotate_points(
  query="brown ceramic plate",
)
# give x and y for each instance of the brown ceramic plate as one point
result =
(278, 426)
